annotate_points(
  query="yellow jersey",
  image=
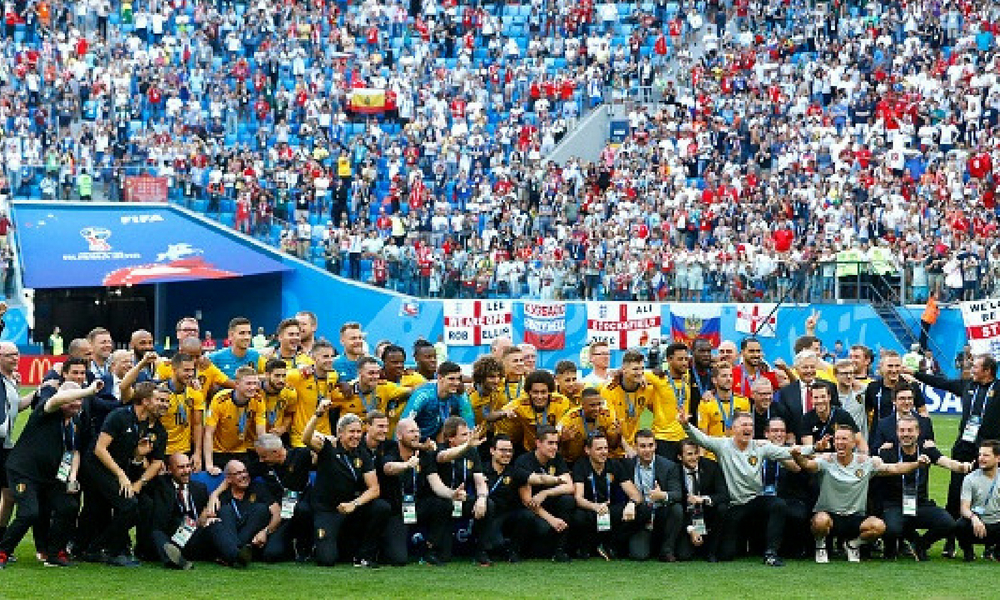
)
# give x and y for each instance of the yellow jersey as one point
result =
(512, 392)
(482, 405)
(235, 426)
(527, 419)
(715, 416)
(670, 394)
(628, 406)
(573, 448)
(308, 391)
(295, 362)
(210, 377)
(278, 404)
(412, 380)
(179, 417)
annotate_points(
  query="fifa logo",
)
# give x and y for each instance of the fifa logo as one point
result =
(97, 238)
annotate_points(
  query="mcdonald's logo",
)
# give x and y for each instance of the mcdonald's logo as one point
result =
(34, 368)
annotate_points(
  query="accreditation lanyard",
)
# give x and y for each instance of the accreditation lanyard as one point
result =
(586, 430)
(986, 400)
(187, 504)
(545, 415)
(679, 395)
(347, 461)
(833, 413)
(496, 483)
(593, 485)
(370, 406)
(506, 390)
(630, 401)
(454, 474)
(700, 381)
(916, 472)
(766, 470)
(748, 379)
(241, 421)
(69, 436)
(727, 420)
(444, 408)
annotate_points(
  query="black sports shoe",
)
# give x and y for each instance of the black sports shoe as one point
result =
(773, 560)
(483, 559)
(244, 556)
(431, 558)
(123, 560)
(176, 557)
(561, 557)
(61, 559)
(365, 563)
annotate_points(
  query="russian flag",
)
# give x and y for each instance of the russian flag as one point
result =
(688, 323)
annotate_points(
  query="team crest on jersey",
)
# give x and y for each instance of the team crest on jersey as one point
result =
(752, 460)
(21, 488)
(552, 470)
(320, 534)
(468, 464)
(859, 473)
(357, 463)
(253, 497)
(506, 480)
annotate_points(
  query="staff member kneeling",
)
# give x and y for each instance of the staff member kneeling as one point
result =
(346, 489)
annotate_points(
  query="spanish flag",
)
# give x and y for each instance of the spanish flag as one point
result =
(368, 100)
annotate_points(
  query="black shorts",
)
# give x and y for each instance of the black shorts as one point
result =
(847, 526)
(4, 453)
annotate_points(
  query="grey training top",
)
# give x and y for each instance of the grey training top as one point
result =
(843, 490)
(741, 468)
(983, 495)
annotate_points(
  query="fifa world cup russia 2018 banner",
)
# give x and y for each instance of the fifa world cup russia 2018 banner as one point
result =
(545, 325)
(690, 322)
(477, 322)
(982, 326)
(623, 325)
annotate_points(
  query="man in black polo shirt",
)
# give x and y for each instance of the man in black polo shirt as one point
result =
(980, 421)
(346, 491)
(546, 488)
(284, 474)
(609, 508)
(788, 481)
(403, 469)
(906, 506)
(819, 423)
(128, 454)
(458, 478)
(507, 528)
(765, 409)
(880, 392)
(246, 516)
(39, 468)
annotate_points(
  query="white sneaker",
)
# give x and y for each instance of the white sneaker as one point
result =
(822, 557)
(853, 551)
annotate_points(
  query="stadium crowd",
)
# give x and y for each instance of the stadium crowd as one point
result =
(300, 451)
(783, 145)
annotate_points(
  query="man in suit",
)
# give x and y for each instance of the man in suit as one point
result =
(173, 526)
(706, 499)
(659, 484)
(884, 435)
(797, 395)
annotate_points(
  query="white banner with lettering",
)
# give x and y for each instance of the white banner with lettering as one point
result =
(477, 322)
(982, 326)
(623, 325)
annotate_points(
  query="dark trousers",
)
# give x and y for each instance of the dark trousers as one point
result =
(509, 526)
(199, 547)
(434, 514)
(369, 520)
(962, 452)
(769, 511)
(235, 529)
(966, 537)
(798, 538)
(540, 533)
(667, 523)
(668, 449)
(37, 502)
(113, 534)
(480, 527)
(279, 544)
(686, 550)
(584, 527)
(931, 517)
(393, 548)
(95, 513)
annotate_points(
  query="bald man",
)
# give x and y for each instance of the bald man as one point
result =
(174, 525)
(10, 404)
(727, 352)
(499, 346)
(140, 343)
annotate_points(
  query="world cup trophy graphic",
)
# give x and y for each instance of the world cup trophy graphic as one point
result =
(97, 238)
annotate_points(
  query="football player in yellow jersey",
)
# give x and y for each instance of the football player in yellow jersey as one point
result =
(673, 391)
(579, 422)
(628, 395)
(394, 368)
(279, 399)
(513, 389)
(541, 405)
(567, 381)
(487, 395)
(368, 393)
(312, 383)
(234, 420)
(289, 337)
(209, 378)
(717, 409)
